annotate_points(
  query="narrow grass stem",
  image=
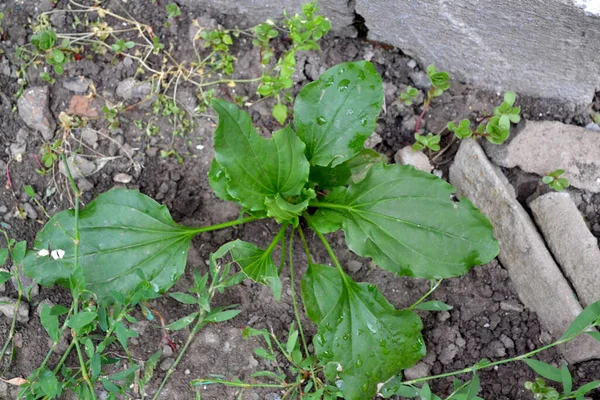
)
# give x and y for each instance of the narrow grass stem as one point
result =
(426, 295)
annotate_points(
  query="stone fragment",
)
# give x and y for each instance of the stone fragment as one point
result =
(79, 166)
(90, 137)
(8, 308)
(33, 109)
(542, 147)
(122, 178)
(82, 106)
(536, 277)
(408, 156)
(84, 184)
(420, 370)
(30, 211)
(166, 364)
(131, 89)
(573, 245)
(77, 85)
(354, 265)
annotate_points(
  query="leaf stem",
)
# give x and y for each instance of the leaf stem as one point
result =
(431, 290)
(305, 245)
(83, 369)
(295, 304)
(223, 225)
(334, 258)
(477, 367)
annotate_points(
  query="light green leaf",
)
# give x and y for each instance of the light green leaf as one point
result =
(184, 298)
(567, 379)
(353, 170)
(256, 263)
(256, 167)
(121, 230)
(361, 163)
(394, 386)
(80, 320)
(282, 210)
(182, 322)
(4, 277)
(588, 387)
(19, 251)
(124, 333)
(50, 322)
(406, 221)
(509, 98)
(49, 384)
(544, 370)
(359, 330)
(337, 113)
(280, 112)
(218, 181)
(587, 317)
(474, 387)
(3, 256)
(150, 365)
(433, 305)
(221, 316)
(595, 335)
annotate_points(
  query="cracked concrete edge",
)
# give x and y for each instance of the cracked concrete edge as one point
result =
(573, 245)
(532, 269)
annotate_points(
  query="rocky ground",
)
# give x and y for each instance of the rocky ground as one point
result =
(488, 319)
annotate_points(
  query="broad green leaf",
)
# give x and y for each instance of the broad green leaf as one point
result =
(124, 333)
(256, 263)
(361, 163)
(50, 322)
(406, 221)
(218, 181)
(257, 168)
(79, 320)
(121, 376)
(95, 365)
(184, 298)
(588, 387)
(394, 386)
(280, 113)
(49, 384)
(509, 98)
(221, 315)
(587, 317)
(359, 330)
(433, 305)
(544, 370)
(121, 231)
(595, 335)
(336, 114)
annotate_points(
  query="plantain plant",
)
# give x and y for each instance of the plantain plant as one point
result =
(124, 249)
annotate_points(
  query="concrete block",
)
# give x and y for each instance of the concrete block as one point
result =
(537, 278)
(541, 147)
(339, 12)
(540, 48)
(573, 245)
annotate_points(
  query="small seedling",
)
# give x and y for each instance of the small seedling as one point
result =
(173, 10)
(440, 81)
(409, 95)
(462, 130)
(429, 141)
(554, 180)
(121, 45)
(112, 116)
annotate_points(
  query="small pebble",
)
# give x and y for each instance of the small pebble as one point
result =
(3, 209)
(167, 351)
(187, 372)
(122, 178)
(7, 307)
(164, 187)
(166, 364)
(30, 211)
(354, 265)
(412, 64)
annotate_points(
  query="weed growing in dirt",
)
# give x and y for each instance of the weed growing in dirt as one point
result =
(495, 127)
(212, 65)
(554, 180)
(123, 250)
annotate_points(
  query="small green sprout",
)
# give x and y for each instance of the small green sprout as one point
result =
(409, 95)
(173, 10)
(506, 109)
(440, 81)
(44, 40)
(111, 115)
(429, 141)
(120, 46)
(554, 180)
(463, 130)
(595, 117)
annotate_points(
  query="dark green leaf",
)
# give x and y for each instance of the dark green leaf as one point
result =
(182, 322)
(257, 168)
(218, 181)
(360, 330)
(124, 333)
(88, 347)
(282, 210)
(588, 387)
(407, 222)
(394, 386)
(595, 335)
(50, 322)
(81, 319)
(122, 230)
(221, 316)
(95, 365)
(337, 113)
(184, 298)
(121, 376)
(353, 170)
(544, 370)
(263, 353)
(434, 305)
(587, 317)
(49, 384)
(361, 163)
